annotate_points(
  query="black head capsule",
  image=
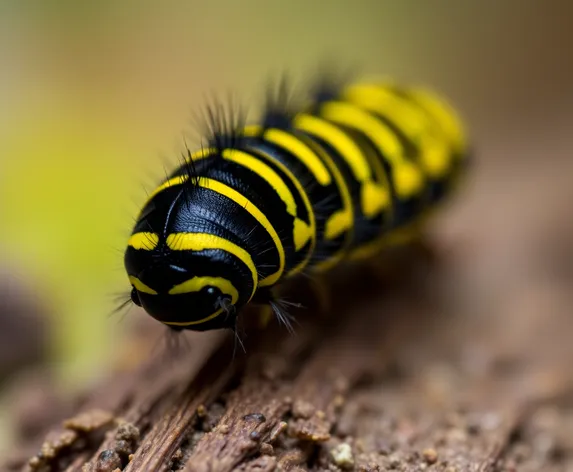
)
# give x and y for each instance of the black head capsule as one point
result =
(194, 274)
(203, 291)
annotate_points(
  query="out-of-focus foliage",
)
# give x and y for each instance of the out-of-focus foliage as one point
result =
(94, 94)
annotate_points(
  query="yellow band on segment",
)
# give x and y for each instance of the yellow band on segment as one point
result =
(201, 154)
(408, 178)
(253, 131)
(410, 119)
(380, 100)
(204, 241)
(302, 231)
(196, 284)
(143, 241)
(346, 147)
(267, 173)
(140, 242)
(338, 223)
(303, 153)
(317, 162)
(250, 207)
(196, 322)
(180, 179)
(374, 197)
(341, 221)
(140, 286)
(445, 115)
(256, 165)
(246, 204)
(350, 115)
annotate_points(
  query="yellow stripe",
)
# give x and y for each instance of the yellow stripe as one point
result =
(246, 204)
(140, 286)
(303, 153)
(145, 241)
(408, 178)
(339, 222)
(295, 146)
(445, 115)
(204, 241)
(321, 165)
(202, 154)
(189, 323)
(346, 147)
(300, 227)
(169, 183)
(377, 99)
(374, 197)
(256, 165)
(342, 220)
(411, 120)
(196, 284)
(302, 232)
(269, 175)
(350, 115)
(258, 215)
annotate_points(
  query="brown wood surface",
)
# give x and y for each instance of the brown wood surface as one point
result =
(461, 362)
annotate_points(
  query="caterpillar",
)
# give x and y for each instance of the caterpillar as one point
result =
(356, 170)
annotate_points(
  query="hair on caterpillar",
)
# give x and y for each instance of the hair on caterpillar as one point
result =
(279, 107)
(238, 340)
(329, 79)
(189, 164)
(122, 305)
(220, 123)
(280, 308)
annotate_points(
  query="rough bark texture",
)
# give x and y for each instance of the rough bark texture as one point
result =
(460, 364)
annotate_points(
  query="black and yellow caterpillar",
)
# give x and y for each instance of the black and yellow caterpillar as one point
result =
(355, 171)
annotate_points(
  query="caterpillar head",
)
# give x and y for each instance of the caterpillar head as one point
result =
(197, 289)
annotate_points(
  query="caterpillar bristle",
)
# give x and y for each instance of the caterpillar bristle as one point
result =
(122, 305)
(225, 120)
(329, 79)
(279, 106)
(188, 163)
(280, 308)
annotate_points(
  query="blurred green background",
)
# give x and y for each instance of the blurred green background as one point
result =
(95, 97)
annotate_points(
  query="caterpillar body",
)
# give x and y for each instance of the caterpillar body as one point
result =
(302, 192)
